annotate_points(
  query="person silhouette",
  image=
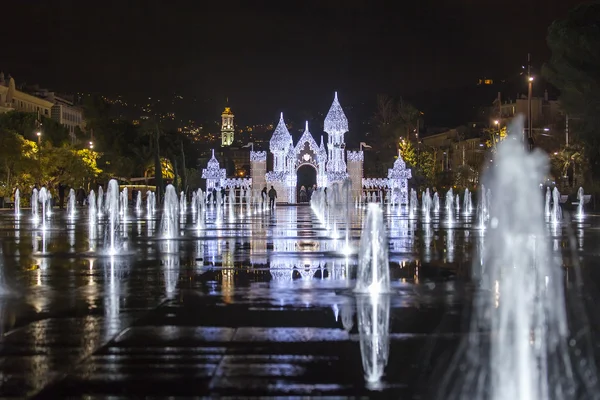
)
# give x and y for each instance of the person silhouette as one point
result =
(272, 197)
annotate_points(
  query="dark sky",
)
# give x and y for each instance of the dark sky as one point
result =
(268, 56)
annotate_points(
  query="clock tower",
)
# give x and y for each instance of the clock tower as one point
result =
(227, 130)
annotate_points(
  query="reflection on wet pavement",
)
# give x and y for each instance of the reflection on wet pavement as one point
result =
(252, 305)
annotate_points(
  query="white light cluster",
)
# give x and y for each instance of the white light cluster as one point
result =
(281, 139)
(323, 150)
(336, 124)
(312, 145)
(336, 121)
(244, 183)
(355, 156)
(375, 183)
(276, 176)
(399, 171)
(398, 180)
(333, 177)
(258, 156)
(213, 170)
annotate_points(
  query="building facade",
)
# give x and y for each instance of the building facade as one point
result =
(43, 102)
(12, 99)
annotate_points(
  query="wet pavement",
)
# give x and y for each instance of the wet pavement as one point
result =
(251, 305)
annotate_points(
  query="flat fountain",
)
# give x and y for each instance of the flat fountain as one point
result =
(111, 239)
(71, 204)
(170, 222)
(138, 202)
(556, 213)
(100, 202)
(373, 275)
(92, 212)
(373, 303)
(182, 203)
(580, 198)
(43, 200)
(450, 206)
(35, 204)
(519, 343)
(17, 203)
(547, 202)
(426, 206)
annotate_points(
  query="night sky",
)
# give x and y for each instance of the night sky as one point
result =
(271, 56)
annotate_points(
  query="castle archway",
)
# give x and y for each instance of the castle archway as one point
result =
(306, 175)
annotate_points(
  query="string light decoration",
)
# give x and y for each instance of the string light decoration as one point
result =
(336, 124)
(398, 180)
(322, 150)
(258, 156)
(300, 153)
(213, 173)
(280, 145)
(355, 156)
(321, 174)
(375, 183)
(281, 139)
(244, 183)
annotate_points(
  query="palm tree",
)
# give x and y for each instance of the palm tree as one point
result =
(569, 157)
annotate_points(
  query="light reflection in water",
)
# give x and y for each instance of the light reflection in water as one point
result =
(427, 236)
(336, 311)
(348, 316)
(227, 285)
(170, 263)
(91, 281)
(17, 231)
(497, 294)
(373, 329)
(450, 245)
(92, 237)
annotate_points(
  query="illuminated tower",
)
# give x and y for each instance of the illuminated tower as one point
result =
(227, 127)
(280, 145)
(336, 124)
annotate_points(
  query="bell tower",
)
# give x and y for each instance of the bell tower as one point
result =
(227, 127)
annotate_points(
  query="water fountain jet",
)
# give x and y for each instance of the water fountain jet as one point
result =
(169, 222)
(373, 275)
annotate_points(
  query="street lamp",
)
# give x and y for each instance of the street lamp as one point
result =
(497, 123)
(529, 122)
(91, 145)
(39, 136)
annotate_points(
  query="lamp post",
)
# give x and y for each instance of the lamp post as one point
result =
(529, 121)
(39, 155)
(91, 145)
(497, 123)
(528, 144)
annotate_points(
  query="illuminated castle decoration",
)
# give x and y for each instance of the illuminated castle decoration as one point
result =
(355, 172)
(329, 163)
(307, 152)
(280, 145)
(227, 127)
(213, 173)
(398, 181)
(336, 124)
